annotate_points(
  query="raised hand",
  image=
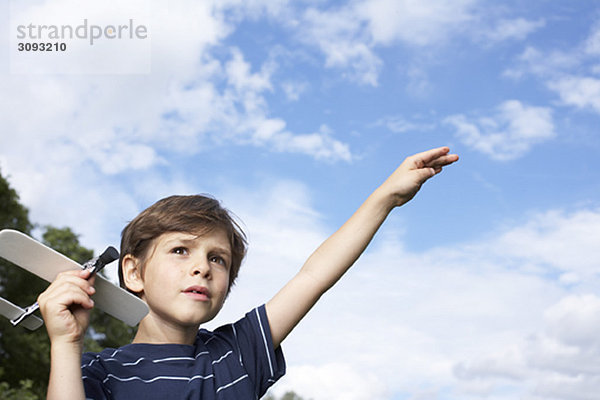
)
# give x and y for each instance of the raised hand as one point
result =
(65, 306)
(407, 179)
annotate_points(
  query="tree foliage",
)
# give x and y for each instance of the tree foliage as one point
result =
(290, 395)
(65, 241)
(12, 213)
(25, 355)
(23, 392)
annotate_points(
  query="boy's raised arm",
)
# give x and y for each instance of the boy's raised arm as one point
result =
(337, 254)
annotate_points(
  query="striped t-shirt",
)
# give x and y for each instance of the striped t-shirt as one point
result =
(234, 362)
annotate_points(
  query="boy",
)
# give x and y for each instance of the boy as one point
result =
(184, 273)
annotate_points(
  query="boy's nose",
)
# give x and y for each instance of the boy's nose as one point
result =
(201, 268)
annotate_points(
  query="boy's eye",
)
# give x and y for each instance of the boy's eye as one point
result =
(180, 250)
(218, 260)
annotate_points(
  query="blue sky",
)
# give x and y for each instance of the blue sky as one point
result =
(291, 113)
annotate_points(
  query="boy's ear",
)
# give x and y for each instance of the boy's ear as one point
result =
(132, 273)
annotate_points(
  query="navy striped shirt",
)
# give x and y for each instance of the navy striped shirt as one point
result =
(234, 362)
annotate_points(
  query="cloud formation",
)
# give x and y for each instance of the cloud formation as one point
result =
(208, 100)
(571, 74)
(513, 29)
(466, 321)
(556, 362)
(349, 35)
(507, 134)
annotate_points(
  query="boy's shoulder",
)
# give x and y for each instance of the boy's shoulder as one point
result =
(250, 330)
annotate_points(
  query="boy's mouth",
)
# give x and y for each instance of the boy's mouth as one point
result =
(198, 292)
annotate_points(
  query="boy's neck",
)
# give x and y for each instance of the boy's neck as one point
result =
(154, 332)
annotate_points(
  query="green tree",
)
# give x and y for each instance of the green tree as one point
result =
(25, 355)
(23, 392)
(65, 241)
(290, 395)
(12, 213)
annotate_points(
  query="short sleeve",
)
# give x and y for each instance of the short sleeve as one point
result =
(264, 364)
(93, 374)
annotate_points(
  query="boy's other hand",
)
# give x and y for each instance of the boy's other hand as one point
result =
(406, 181)
(66, 306)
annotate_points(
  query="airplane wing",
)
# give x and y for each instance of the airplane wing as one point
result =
(47, 263)
(12, 311)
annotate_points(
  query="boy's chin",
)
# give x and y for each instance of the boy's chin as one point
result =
(208, 318)
(201, 320)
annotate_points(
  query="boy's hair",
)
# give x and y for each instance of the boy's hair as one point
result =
(195, 214)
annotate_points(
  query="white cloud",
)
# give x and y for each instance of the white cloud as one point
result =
(335, 381)
(582, 312)
(556, 69)
(509, 133)
(339, 36)
(400, 124)
(592, 43)
(418, 82)
(204, 97)
(569, 73)
(581, 92)
(293, 90)
(349, 35)
(240, 77)
(558, 358)
(129, 157)
(255, 9)
(240, 114)
(542, 64)
(513, 29)
(557, 240)
(559, 361)
(417, 23)
(318, 144)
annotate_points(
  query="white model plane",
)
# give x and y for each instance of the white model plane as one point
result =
(47, 263)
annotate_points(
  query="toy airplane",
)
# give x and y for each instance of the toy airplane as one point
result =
(47, 263)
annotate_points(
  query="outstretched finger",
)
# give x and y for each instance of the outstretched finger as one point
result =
(442, 161)
(424, 158)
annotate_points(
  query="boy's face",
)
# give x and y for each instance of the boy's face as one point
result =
(186, 277)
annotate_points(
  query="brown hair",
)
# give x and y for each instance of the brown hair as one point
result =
(194, 214)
